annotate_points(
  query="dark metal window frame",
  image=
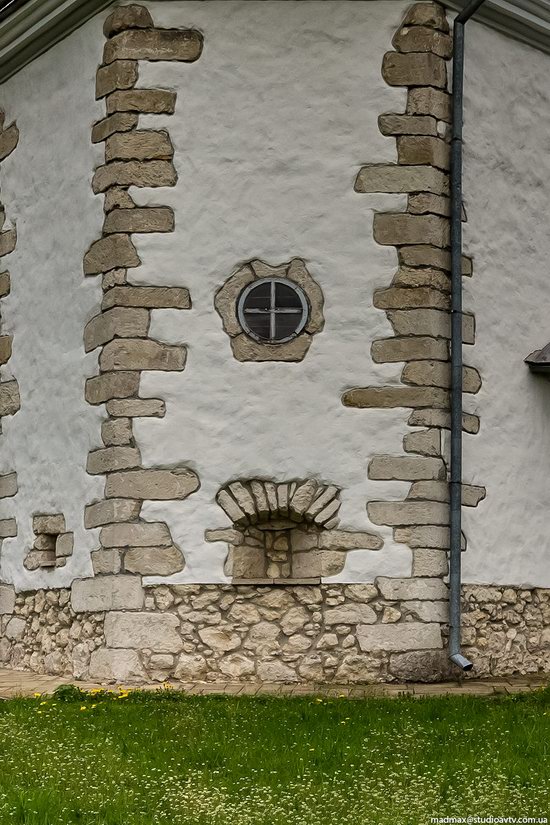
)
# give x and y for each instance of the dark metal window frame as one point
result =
(273, 310)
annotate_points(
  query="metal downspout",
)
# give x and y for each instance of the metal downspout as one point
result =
(455, 560)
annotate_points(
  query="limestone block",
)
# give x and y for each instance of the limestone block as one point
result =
(137, 408)
(8, 528)
(141, 173)
(429, 101)
(106, 561)
(361, 592)
(423, 202)
(154, 44)
(119, 122)
(401, 298)
(140, 144)
(146, 219)
(390, 397)
(426, 666)
(429, 277)
(391, 350)
(423, 442)
(107, 593)
(144, 354)
(399, 637)
(132, 16)
(154, 631)
(111, 510)
(349, 614)
(427, 14)
(5, 348)
(407, 589)
(219, 639)
(358, 668)
(10, 402)
(302, 499)
(143, 101)
(427, 611)
(400, 228)
(429, 561)
(116, 666)
(403, 513)
(64, 545)
(426, 255)
(425, 537)
(321, 500)
(39, 558)
(116, 432)
(148, 297)
(154, 485)
(116, 198)
(294, 620)
(438, 374)
(420, 149)
(423, 39)
(8, 240)
(405, 468)
(122, 74)
(112, 458)
(15, 628)
(260, 499)
(190, 667)
(118, 322)
(9, 139)
(101, 388)
(139, 534)
(394, 178)
(273, 670)
(231, 508)
(441, 418)
(327, 516)
(431, 322)
(154, 561)
(395, 124)
(7, 599)
(344, 540)
(110, 253)
(4, 284)
(414, 69)
(236, 666)
(8, 485)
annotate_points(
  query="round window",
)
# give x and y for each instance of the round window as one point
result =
(272, 310)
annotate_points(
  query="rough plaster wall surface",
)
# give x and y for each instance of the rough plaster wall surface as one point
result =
(46, 189)
(271, 127)
(507, 191)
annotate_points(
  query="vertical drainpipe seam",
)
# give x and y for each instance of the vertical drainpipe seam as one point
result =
(455, 559)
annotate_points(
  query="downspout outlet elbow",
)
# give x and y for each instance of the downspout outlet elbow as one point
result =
(461, 661)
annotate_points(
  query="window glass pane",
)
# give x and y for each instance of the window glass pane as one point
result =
(259, 324)
(286, 297)
(286, 324)
(259, 297)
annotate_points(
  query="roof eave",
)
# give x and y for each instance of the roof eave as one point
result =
(525, 20)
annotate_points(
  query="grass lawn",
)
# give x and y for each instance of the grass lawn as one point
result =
(170, 759)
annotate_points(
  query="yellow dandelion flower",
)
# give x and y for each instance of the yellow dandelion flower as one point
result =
(37, 695)
(83, 707)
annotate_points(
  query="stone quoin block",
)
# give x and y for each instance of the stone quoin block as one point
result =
(423, 39)
(396, 124)
(148, 219)
(116, 432)
(415, 69)
(111, 385)
(438, 537)
(393, 178)
(418, 298)
(402, 513)
(142, 101)
(142, 144)
(430, 322)
(400, 229)
(154, 44)
(111, 510)
(153, 485)
(403, 589)
(425, 442)
(132, 16)
(442, 418)
(109, 459)
(139, 534)
(438, 374)
(427, 14)
(141, 173)
(390, 397)
(136, 407)
(429, 101)
(113, 252)
(415, 149)
(391, 350)
(154, 561)
(149, 297)
(122, 74)
(405, 468)
(118, 322)
(429, 277)
(119, 122)
(145, 354)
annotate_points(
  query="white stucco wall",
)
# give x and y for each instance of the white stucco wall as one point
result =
(507, 193)
(271, 126)
(46, 190)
